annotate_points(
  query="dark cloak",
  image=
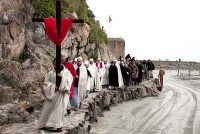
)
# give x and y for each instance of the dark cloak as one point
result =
(113, 76)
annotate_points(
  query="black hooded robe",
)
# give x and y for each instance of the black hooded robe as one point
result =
(113, 76)
(139, 79)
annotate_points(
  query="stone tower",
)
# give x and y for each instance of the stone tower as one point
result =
(117, 47)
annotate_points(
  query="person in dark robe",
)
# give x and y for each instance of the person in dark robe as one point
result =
(133, 59)
(127, 59)
(144, 70)
(127, 74)
(113, 75)
(134, 75)
(139, 79)
(150, 68)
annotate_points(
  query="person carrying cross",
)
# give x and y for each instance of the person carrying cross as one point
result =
(56, 98)
(58, 81)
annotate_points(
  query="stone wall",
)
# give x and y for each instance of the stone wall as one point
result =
(80, 121)
(117, 47)
(173, 65)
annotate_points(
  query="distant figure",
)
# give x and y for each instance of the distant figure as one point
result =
(150, 68)
(179, 61)
(100, 68)
(139, 79)
(113, 75)
(120, 77)
(105, 76)
(127, 59)
(122, 67)
(134, 76)
(161, 74)
(127, 74)
(89, 76)
(144, 70)
(95, 83)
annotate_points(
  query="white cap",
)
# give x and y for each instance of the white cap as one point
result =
(80, 58)
(86, 62)
(91, 60)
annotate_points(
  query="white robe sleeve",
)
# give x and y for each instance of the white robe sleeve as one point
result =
(66, 81)
(48, 88)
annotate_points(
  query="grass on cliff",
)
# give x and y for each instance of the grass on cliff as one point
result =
(92, 54)
(46, 8)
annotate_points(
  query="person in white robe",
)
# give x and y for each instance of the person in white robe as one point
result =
(95, 79)
(89, 70)
(56, 99)
(120, 78)
(105, 81)
(100, 68)
(80, 84)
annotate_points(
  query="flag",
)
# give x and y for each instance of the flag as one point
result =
(110, 19)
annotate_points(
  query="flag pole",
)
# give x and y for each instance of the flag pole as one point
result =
(109, 31)
(109, 25)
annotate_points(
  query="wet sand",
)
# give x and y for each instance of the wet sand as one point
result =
(175, 111)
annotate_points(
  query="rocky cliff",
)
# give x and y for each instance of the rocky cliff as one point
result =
(26, 56)
(76, 42)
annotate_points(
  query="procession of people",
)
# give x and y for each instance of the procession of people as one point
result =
(81, 77)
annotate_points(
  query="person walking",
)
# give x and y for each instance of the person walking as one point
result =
(161, 74)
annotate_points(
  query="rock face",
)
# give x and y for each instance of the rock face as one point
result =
(117, 47)
(26, 56)
(23, 64)
(13, 20)
(92, 108)
(76, 42)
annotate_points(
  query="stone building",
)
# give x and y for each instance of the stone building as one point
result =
(117, 47)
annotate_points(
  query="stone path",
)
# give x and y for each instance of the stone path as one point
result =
(80, 122)
(175, 111)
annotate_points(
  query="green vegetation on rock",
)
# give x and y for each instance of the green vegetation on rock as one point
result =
(92, 54)
(46, 8)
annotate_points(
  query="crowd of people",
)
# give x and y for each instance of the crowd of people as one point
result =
(80, 78)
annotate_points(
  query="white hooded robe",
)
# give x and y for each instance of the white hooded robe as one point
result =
(56, 102)
(82, 83)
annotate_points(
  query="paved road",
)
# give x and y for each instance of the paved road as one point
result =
(175, 111)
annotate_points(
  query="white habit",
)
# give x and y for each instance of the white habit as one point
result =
(120, 78)
(95, 79)
(56, 102)
(105, 76)
(82, 83)
(100, 68)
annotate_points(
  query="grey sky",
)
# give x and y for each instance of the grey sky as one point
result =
(155, 29)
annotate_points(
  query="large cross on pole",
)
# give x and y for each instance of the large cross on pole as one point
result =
(58, 46)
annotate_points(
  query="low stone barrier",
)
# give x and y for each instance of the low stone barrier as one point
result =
(92, 107)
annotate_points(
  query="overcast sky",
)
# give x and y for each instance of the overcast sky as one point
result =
(155, 29)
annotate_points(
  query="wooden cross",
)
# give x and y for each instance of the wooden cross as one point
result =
(58, 46)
